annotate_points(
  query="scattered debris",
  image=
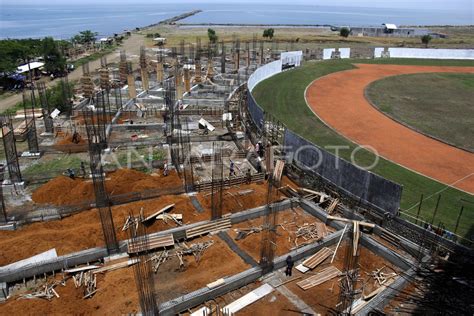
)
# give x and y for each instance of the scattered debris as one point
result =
(243, 233)
(44, 292)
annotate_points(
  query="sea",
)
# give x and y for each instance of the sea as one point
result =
(64, 21)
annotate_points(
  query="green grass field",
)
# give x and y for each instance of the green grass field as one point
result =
(283, 96)
(437, 104)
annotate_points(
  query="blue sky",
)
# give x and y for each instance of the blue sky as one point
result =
(415, 4)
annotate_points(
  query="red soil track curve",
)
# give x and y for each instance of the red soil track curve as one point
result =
(338, 100)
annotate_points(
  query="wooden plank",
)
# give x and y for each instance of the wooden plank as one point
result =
(316, 259)
(335, 218)
(201, 312)
(319, 278)
(332, 206)
(248, 299)
(154, 215)
(213, 226)
(338, 243)
(149, 243)
(74, 270)
(116, 266)
(280, 165)
(216, 283)
(301, 268)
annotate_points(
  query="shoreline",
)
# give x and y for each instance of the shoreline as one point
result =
(306, 25)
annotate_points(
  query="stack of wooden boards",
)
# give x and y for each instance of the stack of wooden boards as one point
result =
(150, 242)
(206, 228)
(322, 276)
(313, 261)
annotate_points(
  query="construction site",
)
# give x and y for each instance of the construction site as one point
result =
(162, 189)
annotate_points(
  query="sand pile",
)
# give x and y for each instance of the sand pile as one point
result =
(65, 191)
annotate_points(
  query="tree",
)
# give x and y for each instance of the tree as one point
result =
(425, 39)
(344, 32)
(54, 61)
(212, 36)
(268, 33)
(87, 37)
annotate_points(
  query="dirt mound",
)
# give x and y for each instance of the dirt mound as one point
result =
(65, 191)
(83, 230)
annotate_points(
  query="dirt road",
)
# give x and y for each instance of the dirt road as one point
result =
(338, 100)
(131, 45)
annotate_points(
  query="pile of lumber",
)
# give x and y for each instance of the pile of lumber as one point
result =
(158, 258)
(157, 213)
(149, 242)
(319, 278)
(243, 233)
(310, 233)
(88, 281)
(206, 228)
(308, 194)
(381, 277)
(196, 250)
(315, 260)
(45, 291)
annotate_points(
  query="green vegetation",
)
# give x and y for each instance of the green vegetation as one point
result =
(344, 32)
(268, 33)
(17, 51)
(86, 37)
(438, 104)
(211, 34)
(53, 167)
(109, 49)
(55, 96)
(426, 39)
(283, 96)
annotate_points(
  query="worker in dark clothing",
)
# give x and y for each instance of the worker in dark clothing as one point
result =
(248, 177)
(70, 173)
(75, 138)
(83, 169)
(289, 265)
(232, 169)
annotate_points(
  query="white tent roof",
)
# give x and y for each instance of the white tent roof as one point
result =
(390, 26)
(160, 39)
(33, 65)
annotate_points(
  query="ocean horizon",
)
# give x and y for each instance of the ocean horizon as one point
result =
(64, 21)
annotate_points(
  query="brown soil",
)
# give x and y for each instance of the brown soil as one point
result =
(325, 296)
(290, 219)
(338, 100)
(117, 292)
(274, 303)
(116, 295)
(83, 230)
(233, 202)
(217, 262)
(67, 140)
(65, 191)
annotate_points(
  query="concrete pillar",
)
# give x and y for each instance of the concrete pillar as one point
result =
(210, 69)
(237, 60)
(132, 90)
(159, 72)
(145, 80)
(197, 71)
(187, 80)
